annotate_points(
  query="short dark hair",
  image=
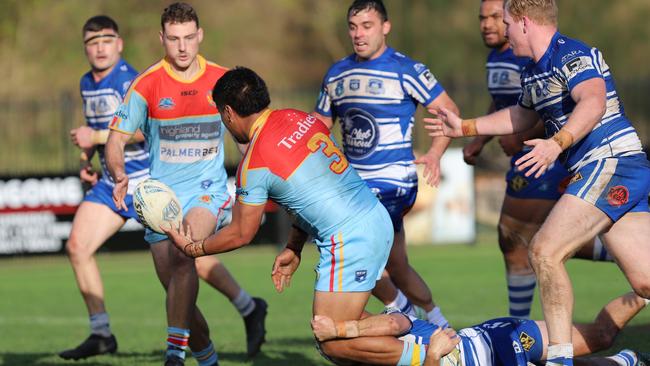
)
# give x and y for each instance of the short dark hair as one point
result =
(99, 22)
(361, 5)
(243, 90)
(179, 13)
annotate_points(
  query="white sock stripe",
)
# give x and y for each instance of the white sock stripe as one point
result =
(521, 294)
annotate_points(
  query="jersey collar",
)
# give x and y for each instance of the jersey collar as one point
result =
(173, 75)
(259, 122)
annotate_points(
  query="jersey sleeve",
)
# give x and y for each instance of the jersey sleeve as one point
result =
(324, 102)
(252, 188)
(131, 114)
(576, 64)
(419, 82)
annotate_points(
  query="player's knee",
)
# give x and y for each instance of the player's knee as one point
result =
(540, 257)
(641, 285)
(75, 248)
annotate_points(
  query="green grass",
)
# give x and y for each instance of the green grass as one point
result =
(41, 311)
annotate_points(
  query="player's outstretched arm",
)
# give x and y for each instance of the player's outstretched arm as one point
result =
(115, 161)
(325, 328)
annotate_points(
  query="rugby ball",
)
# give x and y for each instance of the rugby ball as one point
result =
(156, 204)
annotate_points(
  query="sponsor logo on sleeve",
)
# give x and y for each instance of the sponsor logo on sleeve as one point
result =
(427, 79)
(577, 65)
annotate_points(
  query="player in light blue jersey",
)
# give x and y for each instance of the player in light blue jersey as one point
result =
(374, 94)
(528, 200)
(570, 87)
(97, 218)
(171, 104)
(497, 342)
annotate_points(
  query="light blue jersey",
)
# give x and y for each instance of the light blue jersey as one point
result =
(100, 101)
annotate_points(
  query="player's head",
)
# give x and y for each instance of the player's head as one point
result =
(493, 30)
(180, 34)
(524, 19)
(238, 94)
(102, 43)
(368, 27)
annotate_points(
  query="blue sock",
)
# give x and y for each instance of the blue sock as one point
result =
(624, 358)
(600, 252)
(521, 289)
(207, 356)
(177, 342)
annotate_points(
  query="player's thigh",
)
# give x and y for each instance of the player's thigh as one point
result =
(201, 221)
(570, 224)
(533, 211)
(160, 252)
(398, 257)
(340, 306)
(519, 221)
(93, 224)
(628, 242)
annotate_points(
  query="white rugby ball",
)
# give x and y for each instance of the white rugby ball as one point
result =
(156, 204)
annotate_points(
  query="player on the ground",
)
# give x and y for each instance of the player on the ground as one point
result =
(374, 93)
(570, 87)
(528, 200)
(497, 342)
(171, 104)
(102, 89)
(293, 160)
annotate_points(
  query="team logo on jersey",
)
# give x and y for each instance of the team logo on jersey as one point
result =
(360, 276)
(518, 183)
(618, 196)
(166, 103)
(99, 106)
(575, 178)
(340, 88)
(355, 84)
(206, 184)
(360, 133)
(526, 341)
(375, 87)
(541, 89)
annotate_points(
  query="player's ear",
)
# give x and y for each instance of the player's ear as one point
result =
(161, 35)
(200, 34)
(386, 27)
(120, 44)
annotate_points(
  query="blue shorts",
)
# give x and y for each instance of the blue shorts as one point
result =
(547, 187)
(222, 211)
(397, 200)
(615, 185)
(354, 257)
(102, 193)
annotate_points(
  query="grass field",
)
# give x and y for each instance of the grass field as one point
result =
(41, 311)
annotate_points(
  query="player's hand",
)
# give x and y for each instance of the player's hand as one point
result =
(442, 342)
(286, 263)
(120, 190)
(445, 123)
(431, 168)
(181, 238)
(472, 150)
(324, 328)
(88, 175)
(511, 144)
(540, 158)
(82, 137)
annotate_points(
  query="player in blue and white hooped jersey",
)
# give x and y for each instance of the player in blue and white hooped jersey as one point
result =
(374, 94)
(505, 341)
(528, 200)
(570, 87)
(102, 89)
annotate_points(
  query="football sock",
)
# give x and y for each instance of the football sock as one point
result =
(600, 252)
(435, 317)
(521, 289)
(244, 303)
(177, 341)
(559, 355)
(99, 324)
(402, 303)
(624, 358)
(647, 301)
(207, 356)
(412, 354)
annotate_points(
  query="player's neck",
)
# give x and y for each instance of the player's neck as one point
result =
(541, 41)
(187, 73)
(252, 122)
(503, 48)
(98, 75)
(374, 56)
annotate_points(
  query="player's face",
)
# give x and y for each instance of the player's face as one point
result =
(102, 49)
(181, 42)
(493, 30)
(368, 34)
(515, 35)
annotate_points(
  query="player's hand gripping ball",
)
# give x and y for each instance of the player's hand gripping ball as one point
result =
(156, 204)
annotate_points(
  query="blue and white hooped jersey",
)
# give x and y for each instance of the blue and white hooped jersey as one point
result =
(547, 87)
(100, 101)
(504, 77)
(375, 102)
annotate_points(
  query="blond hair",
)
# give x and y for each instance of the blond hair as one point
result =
(543, 12)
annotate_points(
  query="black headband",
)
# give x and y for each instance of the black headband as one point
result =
(101, 35)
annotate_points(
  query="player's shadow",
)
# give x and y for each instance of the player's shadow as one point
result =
(49, 359)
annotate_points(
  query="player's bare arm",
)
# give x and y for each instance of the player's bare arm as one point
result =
(86, 137)
(325, 328)
(287, 262)
(590, 98)
(115, 161)
(473, 149)
(439, 144)
(245, 222)
(329, 122)
(506, 121)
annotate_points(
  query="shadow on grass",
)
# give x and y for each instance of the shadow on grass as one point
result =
(49, 359)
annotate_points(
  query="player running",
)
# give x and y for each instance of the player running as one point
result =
(102, 89)
(570, 87)
(374, 94)
(171, 104)
(528, 200)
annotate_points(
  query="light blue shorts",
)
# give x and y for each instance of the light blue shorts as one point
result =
(354, 256)
(222, 211)
(615, 185)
